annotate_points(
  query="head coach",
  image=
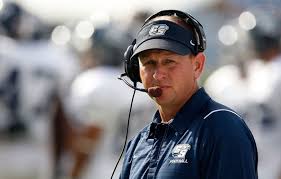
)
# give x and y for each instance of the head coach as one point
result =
(191, 136)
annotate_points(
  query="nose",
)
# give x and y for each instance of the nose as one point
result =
(159, 73)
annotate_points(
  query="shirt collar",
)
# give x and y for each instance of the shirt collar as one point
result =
(188, 112)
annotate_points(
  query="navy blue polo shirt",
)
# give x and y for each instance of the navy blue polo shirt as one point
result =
(205, 140)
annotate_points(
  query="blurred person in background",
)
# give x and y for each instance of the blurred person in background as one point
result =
(98, 106)
(266, 39)
(33, 74)
(253, 85)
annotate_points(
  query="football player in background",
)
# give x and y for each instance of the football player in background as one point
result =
(33, 73)
(254, 84)
(97, 105)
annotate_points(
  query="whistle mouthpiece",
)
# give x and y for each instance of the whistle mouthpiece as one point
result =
(155, 91)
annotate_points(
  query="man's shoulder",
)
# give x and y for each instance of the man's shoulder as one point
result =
(215, 110)
(224, 123)
(221, 119)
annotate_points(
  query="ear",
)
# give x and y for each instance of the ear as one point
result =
(198, 64)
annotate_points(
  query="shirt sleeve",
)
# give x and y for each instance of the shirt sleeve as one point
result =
(228, 148)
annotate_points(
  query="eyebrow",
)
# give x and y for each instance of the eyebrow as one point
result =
(143, 55)
(143, 58)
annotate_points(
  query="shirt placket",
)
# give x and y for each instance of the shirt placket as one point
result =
(160, 135)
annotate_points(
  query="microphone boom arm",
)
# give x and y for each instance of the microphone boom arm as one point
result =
(131, 86)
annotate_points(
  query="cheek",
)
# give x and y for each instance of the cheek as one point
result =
(184, 78)
(144, 76)
(185, 81)
(186, 73)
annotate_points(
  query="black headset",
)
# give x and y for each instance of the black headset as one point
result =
(131, 64)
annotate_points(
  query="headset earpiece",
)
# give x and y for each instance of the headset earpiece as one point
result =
(199, 32)
(131, 64)
(202, 38)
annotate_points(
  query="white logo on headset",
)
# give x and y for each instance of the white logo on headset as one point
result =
(158, 29)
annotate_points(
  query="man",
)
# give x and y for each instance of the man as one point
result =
(191, 136)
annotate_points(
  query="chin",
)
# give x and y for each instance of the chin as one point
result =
(162, 100)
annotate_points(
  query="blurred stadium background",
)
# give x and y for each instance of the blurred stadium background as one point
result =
(63, 112)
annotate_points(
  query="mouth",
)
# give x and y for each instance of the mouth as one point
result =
(163, 87)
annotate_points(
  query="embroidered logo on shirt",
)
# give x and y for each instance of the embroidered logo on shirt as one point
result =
(158, 29)
(179, 152)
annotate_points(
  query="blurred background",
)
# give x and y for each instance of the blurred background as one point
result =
(63, 112)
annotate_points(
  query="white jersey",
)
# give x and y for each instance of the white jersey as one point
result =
(257, 99)
(32, 72)
(99, 98)
(270, 135)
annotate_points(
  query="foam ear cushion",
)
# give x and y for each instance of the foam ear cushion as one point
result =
(131, 65)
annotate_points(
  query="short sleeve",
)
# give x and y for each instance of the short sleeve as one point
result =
(228, 148)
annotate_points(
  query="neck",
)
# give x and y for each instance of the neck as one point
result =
(168, 112)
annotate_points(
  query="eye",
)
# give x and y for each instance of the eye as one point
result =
(169, 61)
(149, 62)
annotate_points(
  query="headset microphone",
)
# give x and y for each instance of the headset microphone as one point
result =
(153, 91)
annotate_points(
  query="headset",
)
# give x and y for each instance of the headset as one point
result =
(131, 65)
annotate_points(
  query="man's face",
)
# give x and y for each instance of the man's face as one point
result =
(176, 75)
